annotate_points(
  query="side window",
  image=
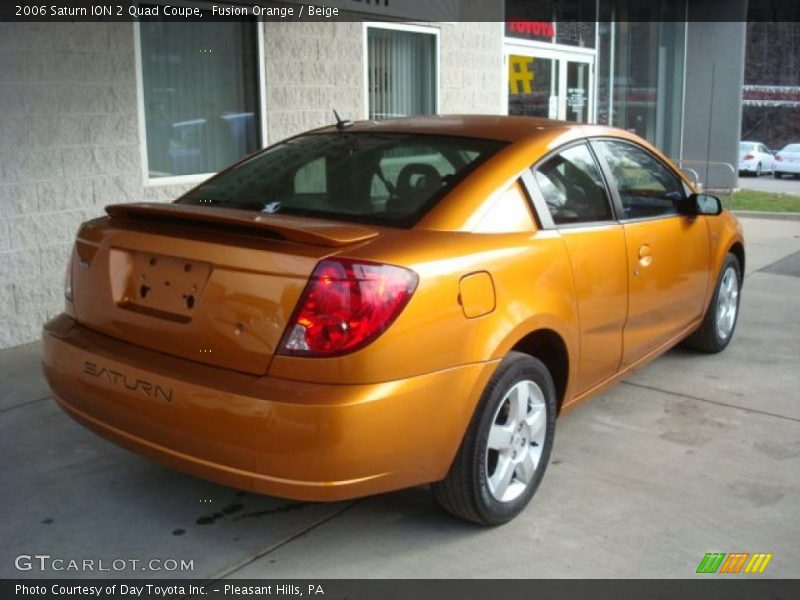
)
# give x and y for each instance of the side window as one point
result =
(573, 188)
(647, 188)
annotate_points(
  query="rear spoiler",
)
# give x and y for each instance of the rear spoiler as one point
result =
(317, 232)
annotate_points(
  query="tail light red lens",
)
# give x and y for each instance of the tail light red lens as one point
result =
(748, 157)
(778, 157)
(345, 306)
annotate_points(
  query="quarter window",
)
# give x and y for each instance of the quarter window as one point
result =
(200, 95)
(401, 73)
(573, 188)
(647, 188)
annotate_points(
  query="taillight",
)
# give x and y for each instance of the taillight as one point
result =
(346, 305)
(748, 157)
(778, 157)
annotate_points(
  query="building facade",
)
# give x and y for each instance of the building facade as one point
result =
(99, 113)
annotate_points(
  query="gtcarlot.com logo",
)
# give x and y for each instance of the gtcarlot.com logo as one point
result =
(46, 562)
(734, 562)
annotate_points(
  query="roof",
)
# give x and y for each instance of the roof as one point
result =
(495, 127)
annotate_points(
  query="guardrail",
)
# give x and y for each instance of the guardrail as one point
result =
(709, 166)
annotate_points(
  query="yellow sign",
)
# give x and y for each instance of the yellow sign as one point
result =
(520, 74)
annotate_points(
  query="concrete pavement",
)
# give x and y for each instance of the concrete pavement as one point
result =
(692, 454)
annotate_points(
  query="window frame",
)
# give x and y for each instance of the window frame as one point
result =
(261, 100)
(435, 31)
(540, 209)
(612, 185)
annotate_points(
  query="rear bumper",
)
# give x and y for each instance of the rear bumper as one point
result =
(751, 166)
(748, 166)
(787, 167)
(273, 436)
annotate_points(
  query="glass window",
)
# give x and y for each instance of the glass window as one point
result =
(379, 178)
(569, 23)
(647, 188)
(578, 91)
(640, 69)
(573, 187)
(311, 178)
(401, 67)
(746, 146)
(200, 91)
(532, 86)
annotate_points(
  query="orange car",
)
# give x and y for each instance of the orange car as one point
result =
(372, 306)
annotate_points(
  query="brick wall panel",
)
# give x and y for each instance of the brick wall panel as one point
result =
(20, 265)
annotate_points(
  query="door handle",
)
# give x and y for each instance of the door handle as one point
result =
(645, 255)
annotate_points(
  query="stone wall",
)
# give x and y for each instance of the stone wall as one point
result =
(69, 144)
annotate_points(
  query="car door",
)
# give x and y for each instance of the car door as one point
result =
(571, 197)
(667, 253)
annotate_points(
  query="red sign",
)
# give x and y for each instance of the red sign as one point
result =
(771, 95)
(531, 29)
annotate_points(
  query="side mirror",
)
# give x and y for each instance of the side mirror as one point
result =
(700, 204)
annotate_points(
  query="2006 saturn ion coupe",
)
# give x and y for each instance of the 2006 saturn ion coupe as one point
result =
(371, 306)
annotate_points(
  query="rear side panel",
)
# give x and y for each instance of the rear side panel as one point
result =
(217, 298)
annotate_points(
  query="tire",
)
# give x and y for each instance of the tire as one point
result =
(474, 488)
(717, 329)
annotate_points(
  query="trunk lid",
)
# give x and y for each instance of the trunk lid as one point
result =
(213, 285)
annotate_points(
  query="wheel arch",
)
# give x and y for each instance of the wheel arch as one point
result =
(737, 249)
(549, 347)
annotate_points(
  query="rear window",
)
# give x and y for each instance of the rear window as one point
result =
(377, 178)
(746, 146)
(792, 148)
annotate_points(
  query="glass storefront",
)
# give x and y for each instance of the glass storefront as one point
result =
(625, 70)
(640, 80)
(554, 85)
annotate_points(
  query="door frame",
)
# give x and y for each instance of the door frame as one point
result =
(562, 56)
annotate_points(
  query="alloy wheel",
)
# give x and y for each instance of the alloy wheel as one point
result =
(727, 302)
(516, 439)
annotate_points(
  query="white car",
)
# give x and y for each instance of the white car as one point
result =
(754, 158)
(787, 161)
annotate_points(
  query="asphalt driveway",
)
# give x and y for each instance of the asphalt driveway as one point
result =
(692, 454)
(767, 183)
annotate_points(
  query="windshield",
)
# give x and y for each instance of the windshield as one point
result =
(377, 178)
